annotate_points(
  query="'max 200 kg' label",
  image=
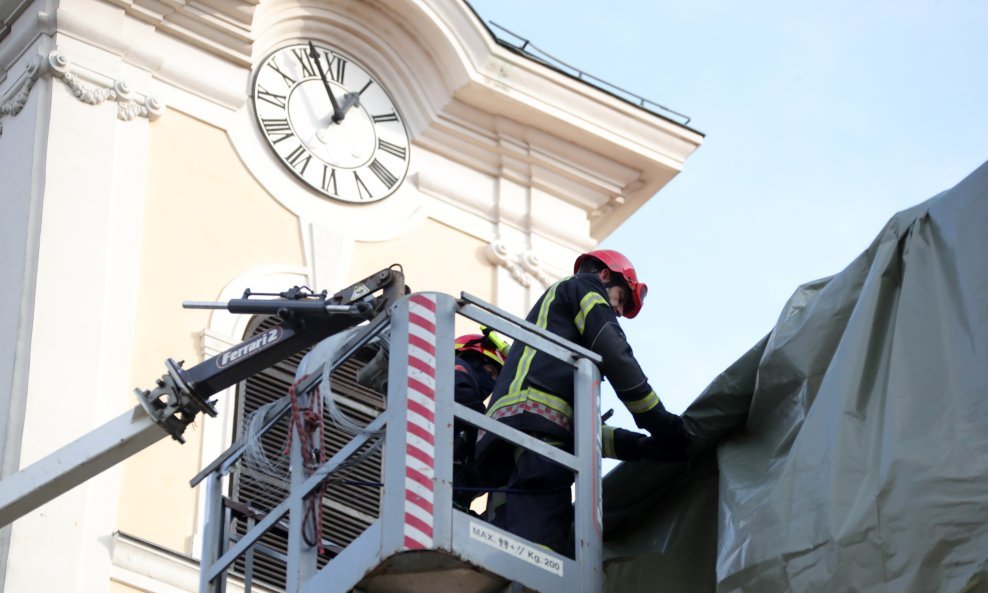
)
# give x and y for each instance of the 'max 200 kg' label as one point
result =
(250, 347)
(544, 559)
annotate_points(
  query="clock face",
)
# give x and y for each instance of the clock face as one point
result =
(350, 146)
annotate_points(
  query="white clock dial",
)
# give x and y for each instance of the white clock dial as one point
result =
(351, 145)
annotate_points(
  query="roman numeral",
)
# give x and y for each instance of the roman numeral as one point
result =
(289, 81)
(276, 127)
(305, 61)
(386, 177)
(299, 156)
(272, 98)
(361, 188)
(329, 179)
(385, 146)
(385, 117)
(335, 68)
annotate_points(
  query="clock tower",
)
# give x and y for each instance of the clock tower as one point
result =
(154, 152)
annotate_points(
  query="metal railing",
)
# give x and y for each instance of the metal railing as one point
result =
(418, 535)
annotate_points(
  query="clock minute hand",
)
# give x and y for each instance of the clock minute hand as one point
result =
(337, 112)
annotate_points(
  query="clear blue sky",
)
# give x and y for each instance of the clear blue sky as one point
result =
(822, 119)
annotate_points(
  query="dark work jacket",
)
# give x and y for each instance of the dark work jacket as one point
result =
(472, 384)
(534, 391)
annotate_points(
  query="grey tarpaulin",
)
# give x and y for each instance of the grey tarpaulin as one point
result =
(848, 450)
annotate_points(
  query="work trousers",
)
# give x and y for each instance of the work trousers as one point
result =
(535, 500)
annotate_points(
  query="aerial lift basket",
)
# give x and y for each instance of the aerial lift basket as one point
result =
(419, 542)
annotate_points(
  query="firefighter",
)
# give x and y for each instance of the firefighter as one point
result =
(534, 393)
(477, 365)
(479, 358)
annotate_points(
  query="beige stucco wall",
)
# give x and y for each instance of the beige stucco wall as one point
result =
(206, 222)
(435, 257)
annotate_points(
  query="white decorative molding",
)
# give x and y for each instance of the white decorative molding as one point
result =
(533, 265)
(14, 100)
(129, 103)
(499, 254)
(523, 267)
(99, 89)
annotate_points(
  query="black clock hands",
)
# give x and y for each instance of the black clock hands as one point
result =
(353, 147)
(349, 101)
(338, 113)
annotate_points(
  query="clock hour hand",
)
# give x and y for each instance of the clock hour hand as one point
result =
(349, 100)
(337, 112)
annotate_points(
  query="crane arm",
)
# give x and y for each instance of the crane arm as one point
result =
(181, 394)
(80, 460)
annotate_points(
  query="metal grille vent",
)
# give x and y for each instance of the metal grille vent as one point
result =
(348, 506)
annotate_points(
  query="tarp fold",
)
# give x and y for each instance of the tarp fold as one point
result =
(848, 449)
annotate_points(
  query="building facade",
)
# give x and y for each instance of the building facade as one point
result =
(159, 151)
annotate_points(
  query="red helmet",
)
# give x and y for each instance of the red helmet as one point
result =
(617, 263)
(479, 343)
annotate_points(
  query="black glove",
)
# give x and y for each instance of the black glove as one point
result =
(628, 445)
(665, 450)
(658, 420)
(625, 445)
(670, 438)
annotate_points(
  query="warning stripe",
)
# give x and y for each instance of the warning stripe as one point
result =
(420, 423)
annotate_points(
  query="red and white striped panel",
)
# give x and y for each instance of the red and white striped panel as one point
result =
(421, 428)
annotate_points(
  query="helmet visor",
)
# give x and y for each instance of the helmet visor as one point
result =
(634, 305)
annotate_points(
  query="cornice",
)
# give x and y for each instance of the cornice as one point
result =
(492, 79)
(466, 97)
(439, 59)
(499, 146)
(221, 27)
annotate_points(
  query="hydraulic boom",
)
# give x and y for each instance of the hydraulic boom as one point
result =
(180, 394)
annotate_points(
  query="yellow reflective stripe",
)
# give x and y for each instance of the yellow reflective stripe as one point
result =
(525, 362)
(607, 440)
(509, 399)
(522, 371)
(643, 405)
(588, 302)
(530, 394)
